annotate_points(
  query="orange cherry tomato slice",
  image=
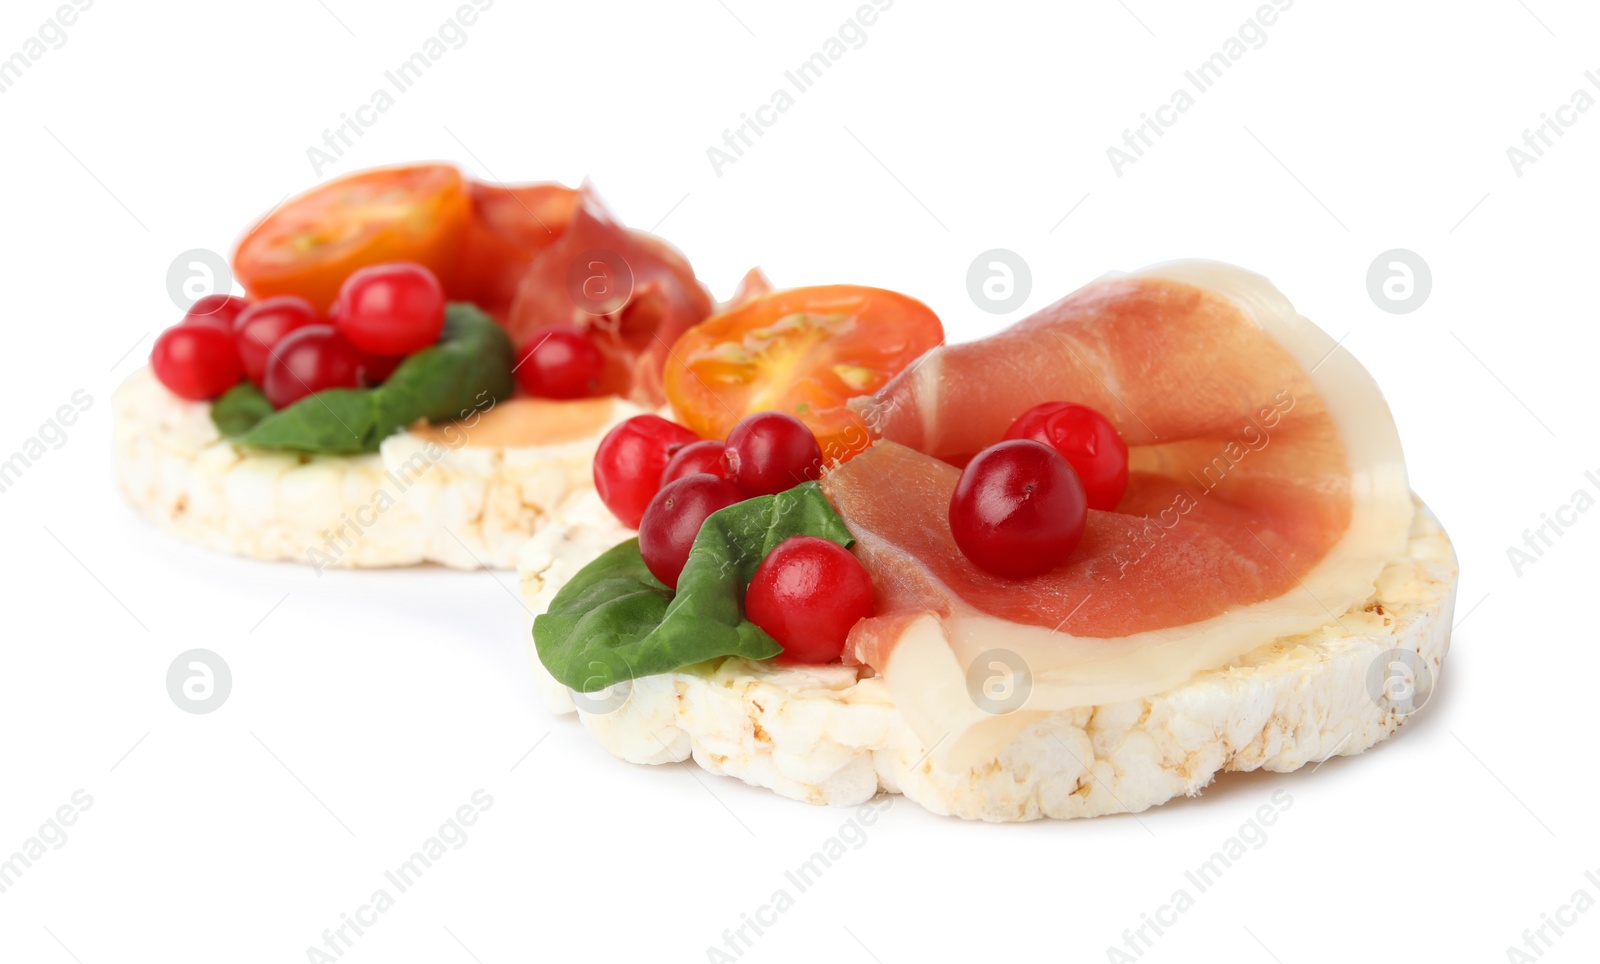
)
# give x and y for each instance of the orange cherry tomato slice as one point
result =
(805, 352)
(310, 244)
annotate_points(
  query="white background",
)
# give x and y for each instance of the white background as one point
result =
(367, 706)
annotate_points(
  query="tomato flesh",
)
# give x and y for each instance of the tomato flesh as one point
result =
(804, 352)
(310, 244)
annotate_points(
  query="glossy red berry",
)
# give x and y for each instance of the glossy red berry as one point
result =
(806, 594)
(390, 309)
(673, 519)
(1089, 443)
(218, 308)
(769, 452)
(629, 462)
(258, 329)
(705, 456)
(196, 361)
(560, 361)
(1018, 509)
(310, 359)
(376, 369)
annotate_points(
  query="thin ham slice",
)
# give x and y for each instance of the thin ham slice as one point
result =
(635, 294)
(753, 285)
(1267, 492)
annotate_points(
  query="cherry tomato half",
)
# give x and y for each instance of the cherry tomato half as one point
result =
(804, 352)
(310, 244)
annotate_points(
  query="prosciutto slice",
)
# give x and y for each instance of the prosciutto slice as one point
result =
(1267, 492)
(634, 293)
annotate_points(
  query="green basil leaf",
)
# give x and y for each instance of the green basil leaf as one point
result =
(468, 370)
(615, 621)
(238, 411)
(340, 421)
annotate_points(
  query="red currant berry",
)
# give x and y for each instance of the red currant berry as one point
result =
(769, 452)
(1018, 509)
(806, 594)
(1087, 441)
(705, 456)
(219, 308)
(258, 329)
(629, 462)
(391, 309)
(376, 369)
(310, 359)
(560, 361)
(673, 519)
(196, 361)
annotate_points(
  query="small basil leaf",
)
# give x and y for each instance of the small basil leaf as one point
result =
(469, 369)
(238, 411)
(615, 621)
